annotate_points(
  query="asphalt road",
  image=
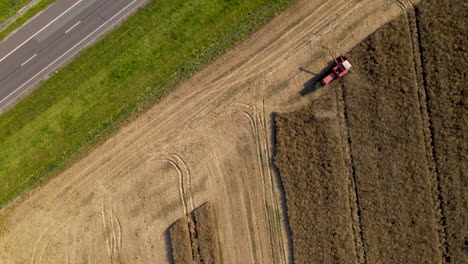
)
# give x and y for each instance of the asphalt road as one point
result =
(52, 38)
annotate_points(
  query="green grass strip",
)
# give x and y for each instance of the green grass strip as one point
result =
(10, 7)
(130, 69)
(23, 18)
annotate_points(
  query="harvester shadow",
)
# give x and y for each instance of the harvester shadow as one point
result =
(314, 84)
(280, 185)
(307, 71)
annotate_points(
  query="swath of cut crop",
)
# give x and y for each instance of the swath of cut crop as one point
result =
(205, 223)
(313, 170)
(387, 144)
(442, 34)
(194, 239)
(180, 242)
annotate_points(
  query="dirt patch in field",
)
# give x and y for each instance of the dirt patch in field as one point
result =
(209, 140)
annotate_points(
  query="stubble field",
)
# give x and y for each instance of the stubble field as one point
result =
(403, 137)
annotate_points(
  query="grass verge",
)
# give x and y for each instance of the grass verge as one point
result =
(10, 7)
(130, 69)
(23, 18)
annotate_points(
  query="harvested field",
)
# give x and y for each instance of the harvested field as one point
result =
(404, 110)
(198, 238)
(208, 140)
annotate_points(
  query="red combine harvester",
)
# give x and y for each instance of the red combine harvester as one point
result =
(339, 70)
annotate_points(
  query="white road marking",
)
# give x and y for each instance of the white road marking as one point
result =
(68, 30)
(24, 63)
(77, 44)
(19, 46)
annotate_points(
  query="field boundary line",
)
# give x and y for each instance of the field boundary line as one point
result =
(273, 178)
(181, 183)
(428, 130)
(184, 169)
(254, 123)
(261, 13)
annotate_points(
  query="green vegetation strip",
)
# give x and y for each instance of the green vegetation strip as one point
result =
(131, 68)
(10, 7)
(22, 19)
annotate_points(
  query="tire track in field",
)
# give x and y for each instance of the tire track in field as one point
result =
(428, 131)
(254, 130)
(279, 208)
(188, 177)
(217, 158)
(274, 226)
(39, 242)
(405, 5)
(43, 243)
(352, 184)
(258, 127)
(112, 230)
(185, 182)
(47, 243)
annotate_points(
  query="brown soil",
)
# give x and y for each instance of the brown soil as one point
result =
(208, 140)
(194, 238)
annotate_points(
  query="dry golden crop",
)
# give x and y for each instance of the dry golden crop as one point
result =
(404, 109)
